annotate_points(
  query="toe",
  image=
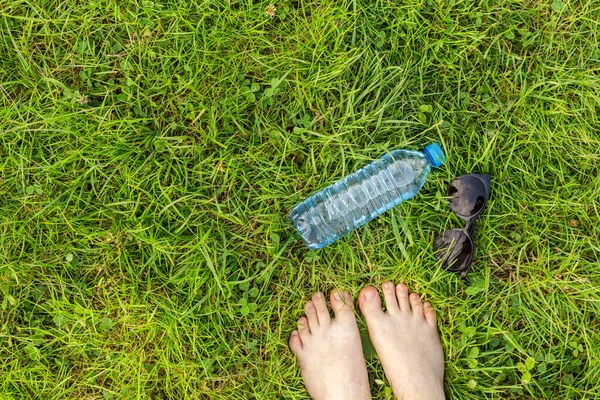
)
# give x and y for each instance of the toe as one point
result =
(320, 304)
(295, 342)
(311, 315)
(342, 305)
(370, 303)
(429, 314)
(416, 305)
(402, 294)
(303, 328)
(389, 294)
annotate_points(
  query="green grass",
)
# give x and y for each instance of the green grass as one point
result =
(150, 153)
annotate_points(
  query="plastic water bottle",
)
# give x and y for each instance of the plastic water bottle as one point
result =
(335, 211)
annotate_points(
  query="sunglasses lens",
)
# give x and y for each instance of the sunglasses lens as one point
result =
(467, 195)
(455, 249)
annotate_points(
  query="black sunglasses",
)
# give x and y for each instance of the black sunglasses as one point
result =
(468, 196)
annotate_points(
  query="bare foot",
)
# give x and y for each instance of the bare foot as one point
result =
(329, 350)
(406, 340)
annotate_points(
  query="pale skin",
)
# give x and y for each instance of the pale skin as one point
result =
(405, 336)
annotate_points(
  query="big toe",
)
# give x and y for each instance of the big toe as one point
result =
(370, 303)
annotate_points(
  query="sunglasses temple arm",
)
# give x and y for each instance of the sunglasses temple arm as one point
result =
(471, 228)
(471, 232)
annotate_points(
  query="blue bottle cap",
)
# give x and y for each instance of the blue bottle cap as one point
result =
(435, 154)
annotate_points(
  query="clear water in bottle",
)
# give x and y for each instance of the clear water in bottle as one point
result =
(335, 211)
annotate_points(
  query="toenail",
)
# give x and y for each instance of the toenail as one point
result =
(294, 333)
(388, 285)
(338, 296)
(370, 295)
(403, 289)
(310, 304)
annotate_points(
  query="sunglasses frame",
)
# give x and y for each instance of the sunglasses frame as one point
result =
(444, 253)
